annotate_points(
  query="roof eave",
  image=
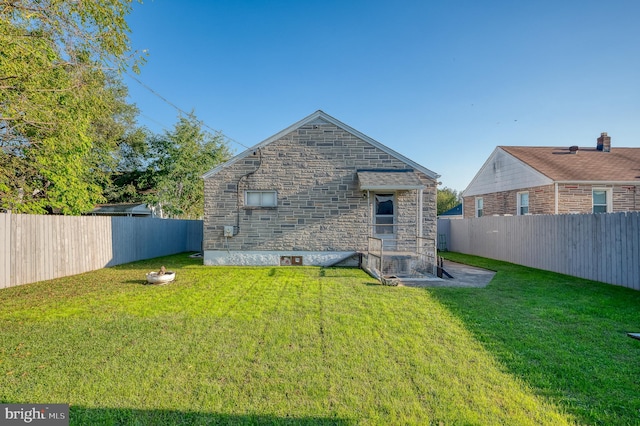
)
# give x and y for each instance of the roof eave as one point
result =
(598, 182)
(391, 187)
(321, 114)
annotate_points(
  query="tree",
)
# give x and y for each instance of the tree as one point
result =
(129, 181)
(177, 161)
(447, 199)
(61, 101)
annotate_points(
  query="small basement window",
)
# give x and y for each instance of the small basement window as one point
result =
(260, 198)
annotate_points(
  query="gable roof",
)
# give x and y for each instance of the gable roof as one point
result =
(321, 116)
(504, 172)
(587, 164)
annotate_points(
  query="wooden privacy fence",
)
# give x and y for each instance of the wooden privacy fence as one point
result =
(601, 247)
(35, 248)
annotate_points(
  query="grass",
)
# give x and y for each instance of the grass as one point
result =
(306, 345)
(565, 336)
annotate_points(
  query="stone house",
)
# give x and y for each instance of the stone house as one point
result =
(314, 194)
(519, 180)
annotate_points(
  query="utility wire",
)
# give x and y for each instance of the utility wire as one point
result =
(153, 120)
(182, 111)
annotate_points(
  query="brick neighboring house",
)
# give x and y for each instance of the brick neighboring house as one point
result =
(314, 193)
(546, 180)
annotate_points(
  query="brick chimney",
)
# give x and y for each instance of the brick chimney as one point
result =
(604, 142)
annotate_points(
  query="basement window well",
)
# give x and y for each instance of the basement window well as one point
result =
(260, 198)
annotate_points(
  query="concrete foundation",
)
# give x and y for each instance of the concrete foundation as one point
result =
(272, 258)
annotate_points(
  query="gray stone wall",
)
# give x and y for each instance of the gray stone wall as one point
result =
(320, 206)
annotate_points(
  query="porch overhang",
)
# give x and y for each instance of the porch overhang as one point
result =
(388, 180)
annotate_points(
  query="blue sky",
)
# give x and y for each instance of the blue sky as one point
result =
(442, 82)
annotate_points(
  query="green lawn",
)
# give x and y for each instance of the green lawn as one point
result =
(321, 346)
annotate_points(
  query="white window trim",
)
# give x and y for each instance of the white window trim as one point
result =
(519, 202)
(479, 200)
(260, 191)
(608, 194)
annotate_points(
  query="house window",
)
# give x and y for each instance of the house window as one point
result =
(601, 200)
(523, 203)
(260, 199)
(384, 218)
(479, 206)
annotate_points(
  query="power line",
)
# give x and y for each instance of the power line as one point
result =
(180, 110)
(153, 120)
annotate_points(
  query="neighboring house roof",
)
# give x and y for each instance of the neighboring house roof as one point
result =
(587, 164)
(122, 209)
(515, 167)
(322, 117)
(454, 211)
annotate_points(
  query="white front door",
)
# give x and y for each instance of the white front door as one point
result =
(385, 219)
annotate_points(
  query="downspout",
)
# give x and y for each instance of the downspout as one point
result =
(370, 213)
(244, 177)
(420, 212)
(556, 196)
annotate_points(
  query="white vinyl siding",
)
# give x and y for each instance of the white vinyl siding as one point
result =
(503, 172)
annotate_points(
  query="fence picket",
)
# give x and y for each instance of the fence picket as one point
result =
(600, 247)
(35, 247)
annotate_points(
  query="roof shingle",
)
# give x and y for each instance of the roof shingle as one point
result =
(587, 164)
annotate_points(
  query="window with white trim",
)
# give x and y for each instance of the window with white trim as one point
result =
(479, 206)
(601, 200)
(523, 203)
(260, 198)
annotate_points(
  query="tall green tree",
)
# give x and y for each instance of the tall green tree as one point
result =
(62, 104)
(129, 179)
(177, 160)
(447, 199)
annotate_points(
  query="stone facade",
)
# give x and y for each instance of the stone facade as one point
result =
(572, 198)
(320, 207)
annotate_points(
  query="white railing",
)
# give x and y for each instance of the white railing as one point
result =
(401, 257)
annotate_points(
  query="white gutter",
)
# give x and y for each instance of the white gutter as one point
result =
(598, 182)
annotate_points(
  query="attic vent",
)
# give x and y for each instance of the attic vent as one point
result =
(573, 149)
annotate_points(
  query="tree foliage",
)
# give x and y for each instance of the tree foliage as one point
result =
(62, 105)
(166, 170)
(447, 199)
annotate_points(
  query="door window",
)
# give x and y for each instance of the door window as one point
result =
(384, 214)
